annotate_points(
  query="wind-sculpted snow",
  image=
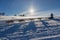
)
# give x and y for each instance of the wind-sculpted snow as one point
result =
(33, 30)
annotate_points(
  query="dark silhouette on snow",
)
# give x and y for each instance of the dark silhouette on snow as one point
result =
(51, 16)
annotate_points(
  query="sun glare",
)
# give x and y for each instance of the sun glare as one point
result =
(32, 11)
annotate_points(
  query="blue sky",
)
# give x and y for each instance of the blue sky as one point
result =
(41, 7)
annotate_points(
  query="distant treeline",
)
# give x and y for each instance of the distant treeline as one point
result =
(2, 14)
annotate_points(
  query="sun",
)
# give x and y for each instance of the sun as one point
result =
(31, 11)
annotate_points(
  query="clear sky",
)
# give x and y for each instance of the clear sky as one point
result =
(41, 7)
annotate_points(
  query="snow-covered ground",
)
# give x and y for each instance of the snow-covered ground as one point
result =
(45, 29)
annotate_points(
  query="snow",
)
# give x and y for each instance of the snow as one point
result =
(46, 37)
(44, 29)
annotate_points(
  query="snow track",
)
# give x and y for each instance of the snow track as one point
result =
(46, 37)
(33, 30)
